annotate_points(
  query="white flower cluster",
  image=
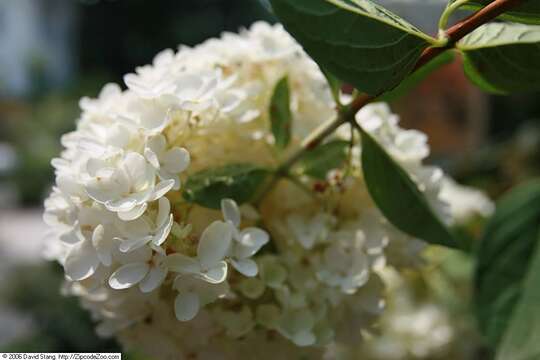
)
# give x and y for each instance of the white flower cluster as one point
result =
(421, 320)
(171, 277)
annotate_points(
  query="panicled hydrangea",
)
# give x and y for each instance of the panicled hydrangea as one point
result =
(291, 278)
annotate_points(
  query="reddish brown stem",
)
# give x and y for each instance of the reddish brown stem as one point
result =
(467, 25)
(454, 34)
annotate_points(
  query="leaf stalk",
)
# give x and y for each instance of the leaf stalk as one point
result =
(347, 114)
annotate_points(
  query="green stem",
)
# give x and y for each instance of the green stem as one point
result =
(325, 130)
(450, 8)
(466, 26)
(312, 140)
(357, 126)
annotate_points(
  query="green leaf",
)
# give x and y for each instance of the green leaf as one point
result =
(399, 198)
(417, 77)
(505, 255)
(528, 12)
(280, 113)
(360, 42)
(520, 341)
(239, 182)
(334, 84)
(321, 159)
(503, 57)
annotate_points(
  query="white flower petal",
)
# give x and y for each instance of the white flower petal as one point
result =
(73, 235)
(246, 267)
(230, 100)
(98, 235)
(105, 257)
(161, 189)
(107, 185)
(214, 243)
(164, 209)
(151, 116)
(118, 136)
(216, 274)
(134, 213)
(350, 284)
(182, 263)
(151, 157)
(127, 245)
(136, 167)
(141, 174)
(176, 160)
(165, 175)
(124, 204)
(230, 211)
(209, 293)
(304, 338)
(128, 275)
(157, 145)
(142, 254)
(163, 232)
(186, 306)
(250, 242)
(81, 261)
(158, 249)
(93, 165)
(153, 279)
(103, 245)
(192, 85)
(137, 228)
(300, 321)
(69, 185)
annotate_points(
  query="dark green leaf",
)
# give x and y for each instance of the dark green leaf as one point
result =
(528, 12)
(320, 160)
(521, 340)
(417, 77)
(503, 57)
(360, 42)
(239, 182)
(505, 254)
(399, 198)
(334, 84)
(280, 114)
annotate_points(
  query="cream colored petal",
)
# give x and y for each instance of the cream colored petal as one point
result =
(230, 211)
(176, 160)
(153, 279)
(128, 275)
(186, 306)
(81, 261)
(214, 244)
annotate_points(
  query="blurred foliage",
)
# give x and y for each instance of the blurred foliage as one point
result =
(122, 34)
(59, 323)
(505, 161)
(34, 131)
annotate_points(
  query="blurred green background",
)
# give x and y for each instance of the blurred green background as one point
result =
(52, 52)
